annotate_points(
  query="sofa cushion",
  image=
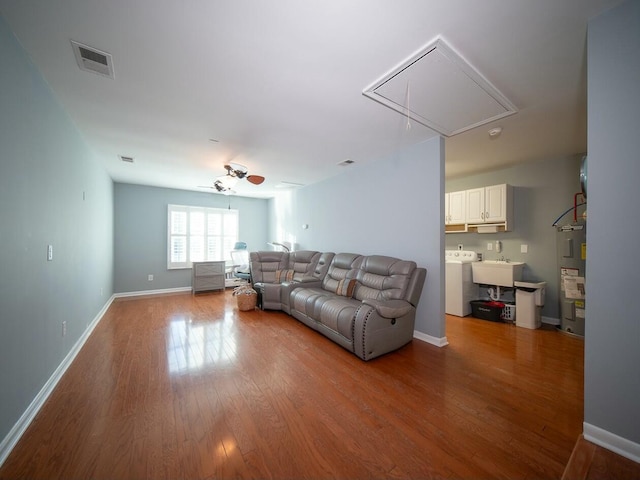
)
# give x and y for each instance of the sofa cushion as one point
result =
(338, 314)
(303, 300)
(264, 265)
(302, 263)
(343, 266)
(383, 278)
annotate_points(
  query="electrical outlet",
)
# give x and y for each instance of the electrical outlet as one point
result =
(64, 328)
(489, 246)
(150, 278)
(524, 248)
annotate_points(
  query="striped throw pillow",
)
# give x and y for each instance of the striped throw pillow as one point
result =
(346, 287)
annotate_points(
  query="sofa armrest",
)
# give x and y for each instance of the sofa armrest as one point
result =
(306, 282)
(390, 308)
(305, 279)
(375, 334)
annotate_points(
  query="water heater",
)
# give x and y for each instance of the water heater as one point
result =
(572, 255)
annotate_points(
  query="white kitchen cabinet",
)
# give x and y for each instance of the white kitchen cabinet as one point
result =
(489, 204)
(455, 204)
(475, 205)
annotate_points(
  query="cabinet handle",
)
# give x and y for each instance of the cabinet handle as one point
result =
(486, 215)
(482, 215)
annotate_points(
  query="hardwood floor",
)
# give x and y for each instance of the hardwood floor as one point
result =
(187, 386)
(591, 462)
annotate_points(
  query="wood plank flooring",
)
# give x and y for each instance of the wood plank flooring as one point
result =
(591, 462)
(187, 386)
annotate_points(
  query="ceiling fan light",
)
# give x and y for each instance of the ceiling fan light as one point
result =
(228, 181)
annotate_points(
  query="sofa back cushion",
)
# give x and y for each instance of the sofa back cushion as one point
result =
(343, 266)
(383, 278)
(264, 266)
(303, 263)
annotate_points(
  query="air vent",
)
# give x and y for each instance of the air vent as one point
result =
(346, 163)
(126, 159)
(285, 184)
(93, 60)
(441, 90)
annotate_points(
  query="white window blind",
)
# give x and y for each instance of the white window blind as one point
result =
(197, 234)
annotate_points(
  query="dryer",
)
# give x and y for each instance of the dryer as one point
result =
(459, 286)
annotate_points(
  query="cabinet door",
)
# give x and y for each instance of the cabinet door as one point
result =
(495, 203)
(457, 207)
(446, 209)
(475, 205)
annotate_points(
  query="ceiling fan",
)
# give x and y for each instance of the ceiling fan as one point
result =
(235, 171)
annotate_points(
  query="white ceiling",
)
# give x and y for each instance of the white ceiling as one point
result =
(279, 83)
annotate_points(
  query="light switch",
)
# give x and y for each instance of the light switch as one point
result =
(524, 248)
(489, 246)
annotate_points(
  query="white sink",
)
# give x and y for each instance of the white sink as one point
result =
(497, 272)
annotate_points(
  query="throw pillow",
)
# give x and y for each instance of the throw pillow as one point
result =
(284, 275)
(346, 287)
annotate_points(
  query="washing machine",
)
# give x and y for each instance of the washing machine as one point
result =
(459, 286)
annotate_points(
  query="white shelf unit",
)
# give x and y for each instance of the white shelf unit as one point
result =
(208, 276)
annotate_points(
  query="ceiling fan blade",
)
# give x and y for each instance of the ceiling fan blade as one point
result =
(255, 179)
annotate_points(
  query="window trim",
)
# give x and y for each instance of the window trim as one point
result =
(188, 209)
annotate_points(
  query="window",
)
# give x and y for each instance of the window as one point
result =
(197, 234)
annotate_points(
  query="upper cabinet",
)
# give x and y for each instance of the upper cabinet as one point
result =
(487, 209)
(488, 204)
(455, 204)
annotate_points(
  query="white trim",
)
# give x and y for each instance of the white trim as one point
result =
(611, 441)
(12, 438)
(162, 291)
(550, 320)
(437, 341)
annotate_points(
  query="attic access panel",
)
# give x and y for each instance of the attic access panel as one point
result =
(439, 89)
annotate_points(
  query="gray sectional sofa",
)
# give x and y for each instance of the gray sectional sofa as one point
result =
(366, 304)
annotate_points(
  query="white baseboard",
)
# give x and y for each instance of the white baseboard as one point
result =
(611, 441)
(29, 414)
(437, 341)
(162, 291)
(550, 320)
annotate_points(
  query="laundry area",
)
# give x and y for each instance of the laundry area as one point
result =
(506, 259)
(467, 277)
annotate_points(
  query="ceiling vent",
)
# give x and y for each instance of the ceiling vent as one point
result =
(439, 89)
(346, 163)
(285, 184)
(92, 60)
(126, 159)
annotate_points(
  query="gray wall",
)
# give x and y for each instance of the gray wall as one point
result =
(612, 348)
(542, 192)
(45, 168)
(141, 233)
(391, 206)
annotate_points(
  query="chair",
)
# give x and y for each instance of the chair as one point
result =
(240, 261)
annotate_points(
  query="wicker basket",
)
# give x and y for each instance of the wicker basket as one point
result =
(247, 302)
